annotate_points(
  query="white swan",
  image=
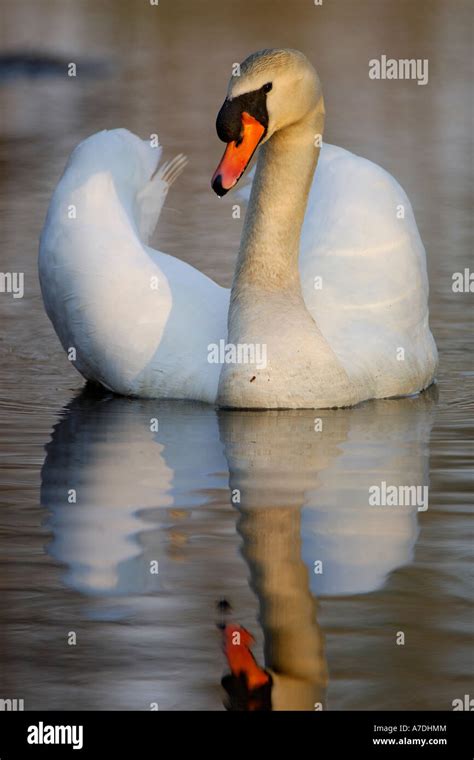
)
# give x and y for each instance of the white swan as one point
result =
(345, 321)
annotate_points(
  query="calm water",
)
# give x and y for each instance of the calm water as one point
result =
(146, 495)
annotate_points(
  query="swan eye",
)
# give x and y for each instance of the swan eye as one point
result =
(267, 87)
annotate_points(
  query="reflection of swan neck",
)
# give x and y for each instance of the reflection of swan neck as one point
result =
(293, 640)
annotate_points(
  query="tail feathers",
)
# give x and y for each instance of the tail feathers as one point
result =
(170, 170)
(151, 198)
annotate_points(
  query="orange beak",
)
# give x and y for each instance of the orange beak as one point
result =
(237, 155)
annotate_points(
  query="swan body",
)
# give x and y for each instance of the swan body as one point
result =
(139, 321)
(363, 275)
(330, 278)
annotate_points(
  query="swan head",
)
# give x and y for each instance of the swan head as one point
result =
(272, 90)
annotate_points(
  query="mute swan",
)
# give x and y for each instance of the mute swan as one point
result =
(339, 316)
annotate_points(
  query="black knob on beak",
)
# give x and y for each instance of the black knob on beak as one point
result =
(229, 121)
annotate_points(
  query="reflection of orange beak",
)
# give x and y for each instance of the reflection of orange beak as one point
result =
(237, 155)
(237, 642)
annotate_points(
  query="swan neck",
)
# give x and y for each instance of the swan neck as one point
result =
(268, 256)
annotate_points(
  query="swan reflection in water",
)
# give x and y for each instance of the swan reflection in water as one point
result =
(299, 484)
